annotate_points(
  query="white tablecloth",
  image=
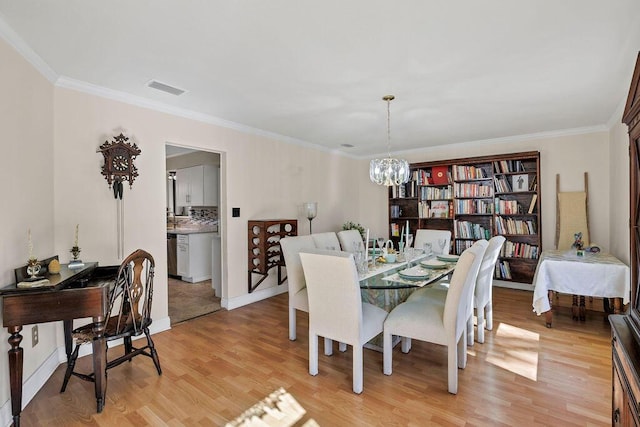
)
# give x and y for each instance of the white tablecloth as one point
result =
(598, 275)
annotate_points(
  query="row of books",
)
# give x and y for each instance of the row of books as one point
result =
(512, 207)
(410, 189)
(424, 177)
(519, 250)
(507, 166)
(473, 206)
(462, 245)
(473, 190)
(468, 172)
(502, 185)
(471, 230)
(435, 209)
(508, 207)
(515, 226)
(436, 193)
(503, 271)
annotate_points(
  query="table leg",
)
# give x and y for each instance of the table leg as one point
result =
(548, 315)
(574, 308)
(100, 363)
(15, 372)
(617, 305)
(582, 310)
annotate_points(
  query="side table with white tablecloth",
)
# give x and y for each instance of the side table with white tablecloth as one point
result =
(597, 275)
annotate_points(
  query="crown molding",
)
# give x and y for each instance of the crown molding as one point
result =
(14, 40)
(506, 139)
(139, 101)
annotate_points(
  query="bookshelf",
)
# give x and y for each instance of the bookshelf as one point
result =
(475, 198)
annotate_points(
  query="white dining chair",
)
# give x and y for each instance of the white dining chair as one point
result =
(298, 298)
(437, 293)
(336, 309)
(483, 297)
(431, 321)
(328, 241)
(433, 236)
(349, 239)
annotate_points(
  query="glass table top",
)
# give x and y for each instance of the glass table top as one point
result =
(401, 275)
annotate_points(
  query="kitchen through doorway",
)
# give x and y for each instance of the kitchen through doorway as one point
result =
(193, 233)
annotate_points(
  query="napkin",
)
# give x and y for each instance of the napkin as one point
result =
(35, 284)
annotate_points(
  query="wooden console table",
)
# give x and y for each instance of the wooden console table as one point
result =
(71, 295)
(264, 247)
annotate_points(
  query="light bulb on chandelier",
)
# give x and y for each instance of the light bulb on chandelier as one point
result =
(389, 171)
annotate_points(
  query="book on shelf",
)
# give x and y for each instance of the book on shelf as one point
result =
(439, 209)
(395, 229)
(532, 205)
(520, 182)
(440, 174)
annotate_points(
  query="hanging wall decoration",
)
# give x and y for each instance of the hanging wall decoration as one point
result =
(119, 156)
(118, 163)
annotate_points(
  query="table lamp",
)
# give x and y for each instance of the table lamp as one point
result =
(311, 210)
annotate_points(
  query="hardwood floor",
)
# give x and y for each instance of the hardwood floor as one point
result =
(218, 365)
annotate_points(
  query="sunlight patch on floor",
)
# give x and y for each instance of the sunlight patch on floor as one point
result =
(521, 358)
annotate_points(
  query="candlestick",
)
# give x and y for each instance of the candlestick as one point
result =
(407, 236)
(30, 244)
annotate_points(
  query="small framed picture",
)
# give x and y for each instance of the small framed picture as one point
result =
(520, 182)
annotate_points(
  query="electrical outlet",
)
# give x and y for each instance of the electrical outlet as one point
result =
(34, 335)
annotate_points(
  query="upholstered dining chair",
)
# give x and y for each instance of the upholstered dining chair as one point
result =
(336, 309)
(482, 289)
(483, 296)
(431, 321)
(298, 300)
(349, 239)
(328, 240)
(128, 315)
(433, 236)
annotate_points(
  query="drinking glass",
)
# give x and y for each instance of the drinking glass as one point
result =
(427, 248)
(441, 244)
(409, 240)
(380, 243)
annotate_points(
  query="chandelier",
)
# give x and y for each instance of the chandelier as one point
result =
(389, 171)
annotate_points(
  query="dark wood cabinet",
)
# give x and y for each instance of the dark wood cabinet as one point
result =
(625, 329)
(475, 198)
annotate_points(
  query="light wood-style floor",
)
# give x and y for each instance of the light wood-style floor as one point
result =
(216, 366)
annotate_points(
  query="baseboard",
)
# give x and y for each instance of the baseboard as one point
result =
(255, 296)
(34, 383)
(513, 285)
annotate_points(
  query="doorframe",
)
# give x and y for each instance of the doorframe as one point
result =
(222, 217)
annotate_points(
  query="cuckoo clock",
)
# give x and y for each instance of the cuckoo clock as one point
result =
(118, 163)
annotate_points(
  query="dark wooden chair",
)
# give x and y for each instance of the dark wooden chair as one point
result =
(128, 315)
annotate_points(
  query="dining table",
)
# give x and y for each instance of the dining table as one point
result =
(387, 285)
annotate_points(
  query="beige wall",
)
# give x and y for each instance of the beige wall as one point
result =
(27, 164)
(619, 191)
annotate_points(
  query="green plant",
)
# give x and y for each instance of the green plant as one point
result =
(350, 225)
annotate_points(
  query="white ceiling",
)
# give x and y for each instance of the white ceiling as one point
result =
(315, 71)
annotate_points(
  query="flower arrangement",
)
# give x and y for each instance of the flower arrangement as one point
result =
(350, 225)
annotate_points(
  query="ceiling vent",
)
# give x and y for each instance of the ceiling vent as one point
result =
(165, 88)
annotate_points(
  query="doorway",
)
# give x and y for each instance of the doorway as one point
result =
(193, 233)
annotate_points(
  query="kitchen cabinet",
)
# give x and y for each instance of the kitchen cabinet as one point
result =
(197, 186)
(194, 256)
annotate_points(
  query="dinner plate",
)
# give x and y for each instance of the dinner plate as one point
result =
(413, 274)
(433, 263)
(448, 258)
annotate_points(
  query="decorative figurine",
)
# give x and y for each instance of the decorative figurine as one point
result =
(578, 243)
